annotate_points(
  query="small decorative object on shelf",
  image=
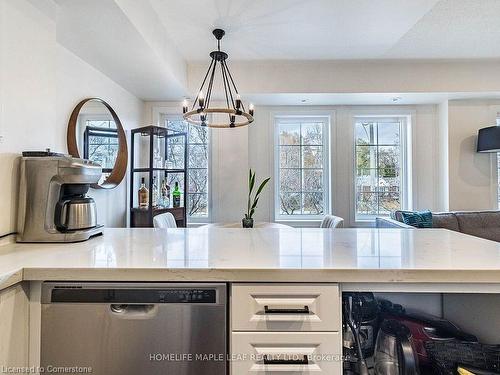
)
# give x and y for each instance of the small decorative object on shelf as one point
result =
(247, 221)
(176, 195)
(165, 194)
(143, 195)
(158, 159)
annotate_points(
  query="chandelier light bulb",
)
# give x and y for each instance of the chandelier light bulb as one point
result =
(238, 101)
(201, 99)
(184, 106)
(251, 109)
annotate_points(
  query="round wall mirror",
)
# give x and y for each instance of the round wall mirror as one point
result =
(96, 133)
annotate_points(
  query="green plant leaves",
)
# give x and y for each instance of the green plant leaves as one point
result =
(262, 186)
(251, 183)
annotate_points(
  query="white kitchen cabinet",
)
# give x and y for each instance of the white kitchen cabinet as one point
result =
(285, 307)
(14, 327)
(296, 353)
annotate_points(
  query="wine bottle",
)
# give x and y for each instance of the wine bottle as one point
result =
(143, 195)
(176, 196)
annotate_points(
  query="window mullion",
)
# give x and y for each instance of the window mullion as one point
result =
(301, 166)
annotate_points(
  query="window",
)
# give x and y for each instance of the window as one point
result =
(100, 142)
(198, 196)
(301, 172)
(380, 173)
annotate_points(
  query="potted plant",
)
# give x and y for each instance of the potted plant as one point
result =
(247, 221)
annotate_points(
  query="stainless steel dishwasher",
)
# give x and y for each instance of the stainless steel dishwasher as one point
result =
(131, 329)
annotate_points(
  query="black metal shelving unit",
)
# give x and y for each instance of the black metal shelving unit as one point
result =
(148, 137)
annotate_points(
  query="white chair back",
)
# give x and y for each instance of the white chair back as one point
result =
(330, 221)
(165, 220)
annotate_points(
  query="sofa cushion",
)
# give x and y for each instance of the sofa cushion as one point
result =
(398, 214)
(446, 220)
(418, 219)
(484, 224)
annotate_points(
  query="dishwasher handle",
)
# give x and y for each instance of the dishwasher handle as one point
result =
(133, 311)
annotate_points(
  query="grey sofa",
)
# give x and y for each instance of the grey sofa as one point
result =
(484, 224)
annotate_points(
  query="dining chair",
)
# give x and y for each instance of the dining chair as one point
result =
(165, 220)
(330, 221)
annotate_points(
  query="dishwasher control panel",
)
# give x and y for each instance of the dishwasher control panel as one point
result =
(187, 295)
(88, 293)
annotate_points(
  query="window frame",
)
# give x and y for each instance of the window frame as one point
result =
(82, 122)
(301, 118)
(89, 132)
(174, 116)
(406, 170)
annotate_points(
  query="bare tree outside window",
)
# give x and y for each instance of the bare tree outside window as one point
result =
(301, 168)
(378, 167)
(197, 159)
(102, 145)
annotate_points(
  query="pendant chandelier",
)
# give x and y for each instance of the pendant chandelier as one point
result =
(234, 111)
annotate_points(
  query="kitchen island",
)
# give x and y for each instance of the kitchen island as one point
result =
(263, 255)
(291, 265)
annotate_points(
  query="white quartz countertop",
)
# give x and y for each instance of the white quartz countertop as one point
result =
(272, 255)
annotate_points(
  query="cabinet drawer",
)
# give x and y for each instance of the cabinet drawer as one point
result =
(285, 307)
(296, 353)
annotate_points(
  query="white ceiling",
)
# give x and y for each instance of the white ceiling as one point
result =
(154, 48)
(334, 29)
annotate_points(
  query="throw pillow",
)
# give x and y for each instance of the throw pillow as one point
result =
(422, 219)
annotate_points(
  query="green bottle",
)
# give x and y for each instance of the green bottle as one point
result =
(176, 196)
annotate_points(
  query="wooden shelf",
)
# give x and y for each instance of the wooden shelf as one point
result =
(142, 217)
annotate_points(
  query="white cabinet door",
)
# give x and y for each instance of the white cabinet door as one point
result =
(282, 353)
(14, 326)
(285, 307)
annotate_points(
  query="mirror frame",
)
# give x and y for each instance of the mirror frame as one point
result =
(120, 166)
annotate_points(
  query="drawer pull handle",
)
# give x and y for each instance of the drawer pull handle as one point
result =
(269, 361)
(267, 310)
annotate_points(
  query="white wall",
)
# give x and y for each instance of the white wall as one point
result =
(368, 76)
(40, 83)
(472, 176)
(442, 161)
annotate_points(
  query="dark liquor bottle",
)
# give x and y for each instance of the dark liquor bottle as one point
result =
(176, 196)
